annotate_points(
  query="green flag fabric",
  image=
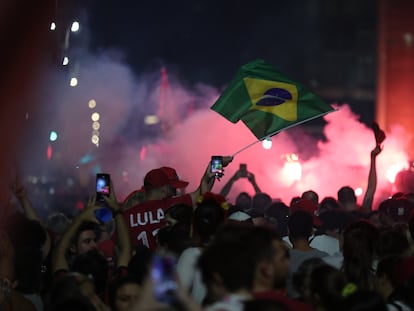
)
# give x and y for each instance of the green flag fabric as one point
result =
(267, 101)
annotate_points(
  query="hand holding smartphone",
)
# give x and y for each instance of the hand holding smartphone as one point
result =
(103, 182)
(217, 166)
(243, 170)
(103, 189)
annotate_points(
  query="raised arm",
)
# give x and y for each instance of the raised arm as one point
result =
(207, 181)
(59, 261)
(123, 238)
(372, 180)
(252, 179)
(227, 187)
(20, 192)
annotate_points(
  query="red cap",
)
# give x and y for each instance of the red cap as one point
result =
(163, 176)
(174, 181)
(307, 206)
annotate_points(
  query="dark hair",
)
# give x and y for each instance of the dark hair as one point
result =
(386, 267)
(346, 195)
(93, 264)
(175, 238)
(65, 292)
(208, 216)
(228, 257)
(243, 200)
(139, 264)
(360, 240)
(117, 284)
(327, 204)
(259, 240)
(392, 241)
(181, 212)
(311, 195)
(326, 286)
(301, 278)
(85, 226)
(279, 212)
(300, 225)
(294, 200)
(261, 201)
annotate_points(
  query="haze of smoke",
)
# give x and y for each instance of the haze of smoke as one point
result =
(193, 133)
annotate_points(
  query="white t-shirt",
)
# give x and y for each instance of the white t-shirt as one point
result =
(189, 275)
(326, 243)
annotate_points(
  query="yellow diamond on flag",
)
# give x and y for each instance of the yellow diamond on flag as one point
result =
(278, 98)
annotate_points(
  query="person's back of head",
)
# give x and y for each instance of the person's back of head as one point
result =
(392, 242)
(68, 292)
(269, 255)
(243, 200)
(334, 221)
(300, 225)
(359, 244)
(311, 195)
(225, 263)
(95, 264)
(139, 264)
(261, 201)
(326, 287)
(208, 216)
(175, 238)
(302, 277)
(277, 215)
(58, 223)
(293, 201)
(346, 197)
(181, 213)
(384, 277)
(328, 204)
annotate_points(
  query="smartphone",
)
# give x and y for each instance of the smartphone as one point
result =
(103, 182)
(217, 166)
(243, 170)
(164, 278)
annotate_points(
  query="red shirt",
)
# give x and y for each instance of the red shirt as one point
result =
(145, 219)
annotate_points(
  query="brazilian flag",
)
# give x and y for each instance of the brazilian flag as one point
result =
(267, 101)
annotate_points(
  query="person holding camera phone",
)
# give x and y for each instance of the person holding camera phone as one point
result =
(242, 172)
(160, 186)
(80, 238)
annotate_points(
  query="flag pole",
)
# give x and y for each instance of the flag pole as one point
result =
(285, 128)
(245, 147)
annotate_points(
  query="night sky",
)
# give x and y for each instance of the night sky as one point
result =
(323, 44)
(327, 45)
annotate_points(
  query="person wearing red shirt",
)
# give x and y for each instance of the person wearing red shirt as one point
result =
(160, 188)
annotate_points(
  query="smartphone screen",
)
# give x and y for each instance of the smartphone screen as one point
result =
(217, 165)
(103, 182)
(163, 275)
(243, 170)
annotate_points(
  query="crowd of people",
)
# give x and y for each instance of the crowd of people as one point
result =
(198, 251)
